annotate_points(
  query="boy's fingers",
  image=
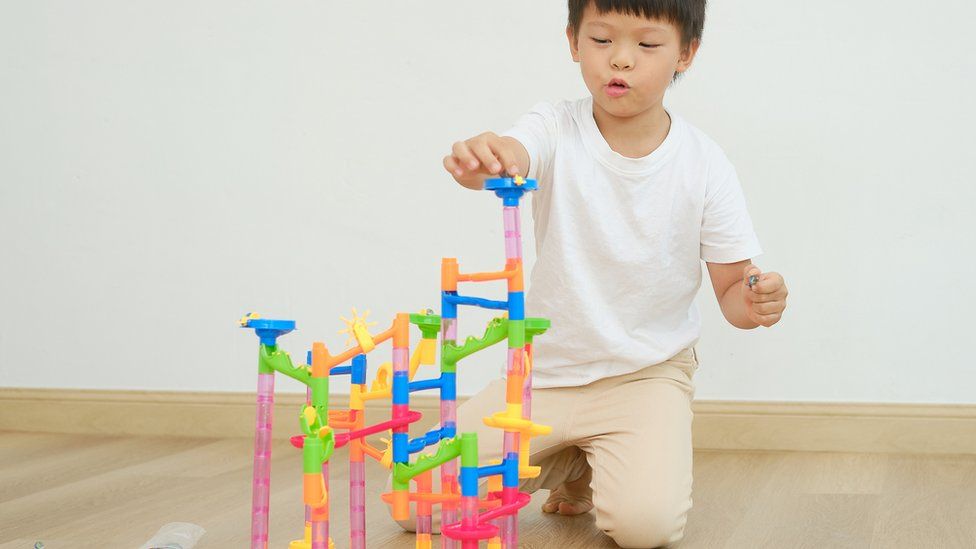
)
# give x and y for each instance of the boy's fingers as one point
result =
(756, 297)
(487, 158)
(452, 166)
(506, 158)
(769, 308)
(766, 320)
(751, 275)
(768, 283)
(464, 155)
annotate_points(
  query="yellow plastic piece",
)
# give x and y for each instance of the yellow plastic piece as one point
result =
(423, 541)
(247, 317)
(304, 543)
(307, 542)
(502, 420)
(310, 415)
(494, 543)
(387, 459)
(428, 351)
(495, 481)
(519, 180)
(358, 330)
(324, 431)
(363, 337)
(513, 410)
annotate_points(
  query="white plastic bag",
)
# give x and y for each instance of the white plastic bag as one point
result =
(175, 535)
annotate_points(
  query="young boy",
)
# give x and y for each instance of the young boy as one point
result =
(631, 198)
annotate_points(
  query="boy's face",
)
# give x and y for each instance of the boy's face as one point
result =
(628, 61)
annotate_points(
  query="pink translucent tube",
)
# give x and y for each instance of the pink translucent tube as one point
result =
(509, 523)
(513, 232)
(527, 385)
(357, 504)
(320, 534)
(469, 513)
(261, 484)
(449, 469)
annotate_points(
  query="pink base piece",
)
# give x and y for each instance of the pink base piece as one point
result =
(341, 439)
(482, 529)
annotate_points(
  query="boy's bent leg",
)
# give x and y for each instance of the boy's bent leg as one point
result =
(642, 463)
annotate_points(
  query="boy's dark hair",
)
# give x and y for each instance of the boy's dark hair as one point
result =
(687, 15)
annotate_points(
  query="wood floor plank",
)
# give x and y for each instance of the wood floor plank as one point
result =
(116, 492)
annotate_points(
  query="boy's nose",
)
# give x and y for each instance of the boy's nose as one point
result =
(621, 62)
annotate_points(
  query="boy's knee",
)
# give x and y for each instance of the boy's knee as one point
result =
(645, 526)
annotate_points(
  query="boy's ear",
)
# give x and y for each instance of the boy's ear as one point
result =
(573, 43)
(687, 56)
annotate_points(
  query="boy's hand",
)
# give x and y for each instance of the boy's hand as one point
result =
(765, 295)
(487, 154)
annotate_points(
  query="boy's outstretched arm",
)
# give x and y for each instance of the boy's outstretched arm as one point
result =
(473, 160)
(748, 305)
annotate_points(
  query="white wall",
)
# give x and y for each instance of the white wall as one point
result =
(167, 166)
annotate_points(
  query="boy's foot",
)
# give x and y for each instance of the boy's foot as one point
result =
(572, 498)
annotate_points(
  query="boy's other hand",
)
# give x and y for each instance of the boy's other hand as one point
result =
(765, 296)
(472, 160)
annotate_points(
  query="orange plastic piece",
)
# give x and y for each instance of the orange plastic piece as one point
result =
(515, 282)
(371, 451)
(401, 330)
(513, 393)
(320, 358)
(423, 487)
(401, 505)
(449, 274)
(314, 492)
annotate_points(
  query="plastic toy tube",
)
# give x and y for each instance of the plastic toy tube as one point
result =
(357, 488)
(424, 508)
(261, 486)
(320, 526)
(400, 410)
(516, 363)
(449, 469)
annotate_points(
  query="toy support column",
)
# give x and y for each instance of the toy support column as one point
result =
(268, 331)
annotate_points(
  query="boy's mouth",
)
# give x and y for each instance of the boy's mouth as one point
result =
(616, 87)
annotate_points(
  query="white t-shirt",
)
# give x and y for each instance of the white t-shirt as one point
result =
(619, 242)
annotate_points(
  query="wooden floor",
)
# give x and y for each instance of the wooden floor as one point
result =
(72, 491)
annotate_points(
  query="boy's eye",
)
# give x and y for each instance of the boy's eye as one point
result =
(600, 40)
(649, 46)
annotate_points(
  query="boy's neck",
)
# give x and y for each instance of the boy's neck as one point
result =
(634, 136)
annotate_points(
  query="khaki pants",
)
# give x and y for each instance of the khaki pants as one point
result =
(633, 431)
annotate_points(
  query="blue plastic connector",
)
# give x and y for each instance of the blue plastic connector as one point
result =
(358, 370)
(401, 388)
(509, 190)
(425, 384)
(400, 450)
(270, 329)
(454, 299)
(516, 306)
(448, 386)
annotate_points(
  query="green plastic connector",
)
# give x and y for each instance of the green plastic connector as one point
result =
(496, 331)
(320, 392)
(535, 326)
(449, 449)
(469, 449)
(516, 334)
(429, 324)
(271, 359)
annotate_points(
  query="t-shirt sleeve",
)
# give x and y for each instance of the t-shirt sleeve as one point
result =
(727, 234)
(536, 130)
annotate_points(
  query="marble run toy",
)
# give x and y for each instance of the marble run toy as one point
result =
(466, 518)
